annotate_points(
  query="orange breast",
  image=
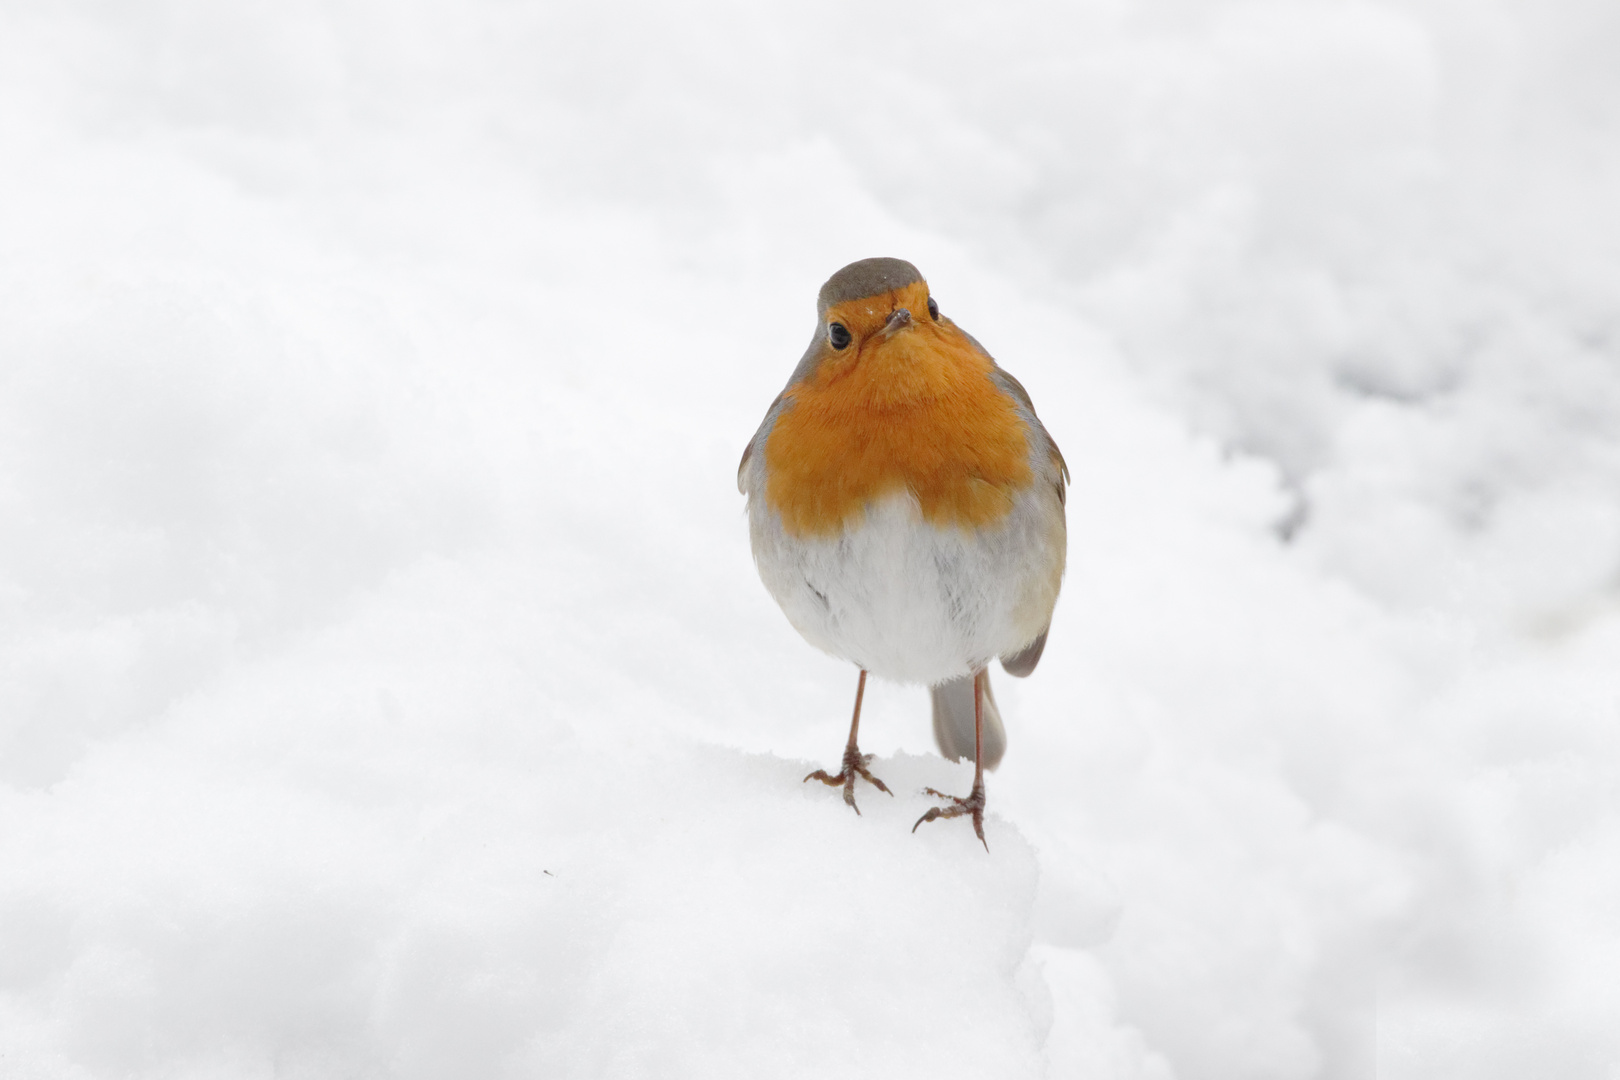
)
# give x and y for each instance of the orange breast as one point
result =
(913, 412)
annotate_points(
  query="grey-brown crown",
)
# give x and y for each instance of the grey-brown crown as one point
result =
(869, 277)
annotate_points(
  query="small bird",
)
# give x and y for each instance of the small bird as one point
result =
(906, 510)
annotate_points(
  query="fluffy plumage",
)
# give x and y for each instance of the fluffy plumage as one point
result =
(905, 503)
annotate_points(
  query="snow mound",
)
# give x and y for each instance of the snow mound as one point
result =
(385, 687)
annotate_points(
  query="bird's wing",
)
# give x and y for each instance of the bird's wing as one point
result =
(1011, 384)
(758, 441)
(748, 452)
(1022, 662)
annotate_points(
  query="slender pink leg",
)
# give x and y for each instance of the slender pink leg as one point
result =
(973, 805)
(855, 762)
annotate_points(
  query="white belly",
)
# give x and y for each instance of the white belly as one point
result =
(912, 602)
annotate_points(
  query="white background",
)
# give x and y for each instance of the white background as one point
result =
(385, 686)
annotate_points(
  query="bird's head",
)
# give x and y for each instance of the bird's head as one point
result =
(879, 326)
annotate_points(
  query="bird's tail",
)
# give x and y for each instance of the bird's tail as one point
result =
(953, 721)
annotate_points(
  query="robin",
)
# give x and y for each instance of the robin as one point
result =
(906, 509)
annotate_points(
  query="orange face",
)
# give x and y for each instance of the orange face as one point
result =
(899, 408)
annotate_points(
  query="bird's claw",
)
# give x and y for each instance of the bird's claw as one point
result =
(855, 764)
(972, 806)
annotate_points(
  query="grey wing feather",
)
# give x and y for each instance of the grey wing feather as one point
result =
(1022, 662)
(807, 365)
(757, 442)
(1007, 381)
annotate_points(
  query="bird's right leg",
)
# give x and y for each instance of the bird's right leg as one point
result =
(973, 806)
(855, 762)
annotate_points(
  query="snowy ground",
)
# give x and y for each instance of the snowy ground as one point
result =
(385, 687)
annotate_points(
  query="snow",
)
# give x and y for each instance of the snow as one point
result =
(385, 685)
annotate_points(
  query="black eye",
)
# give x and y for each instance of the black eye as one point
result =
(933, 309)
(838, 334)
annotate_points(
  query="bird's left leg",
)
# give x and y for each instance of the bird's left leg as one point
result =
(973, 805)
(854, 761)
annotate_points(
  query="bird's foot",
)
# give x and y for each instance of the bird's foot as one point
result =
(855, 764)
(972, 806)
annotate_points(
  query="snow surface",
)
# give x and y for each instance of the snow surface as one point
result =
(386, 689)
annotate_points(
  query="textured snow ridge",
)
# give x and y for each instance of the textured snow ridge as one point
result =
(386, 689)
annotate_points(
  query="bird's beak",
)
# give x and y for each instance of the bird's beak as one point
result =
(897, 321)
